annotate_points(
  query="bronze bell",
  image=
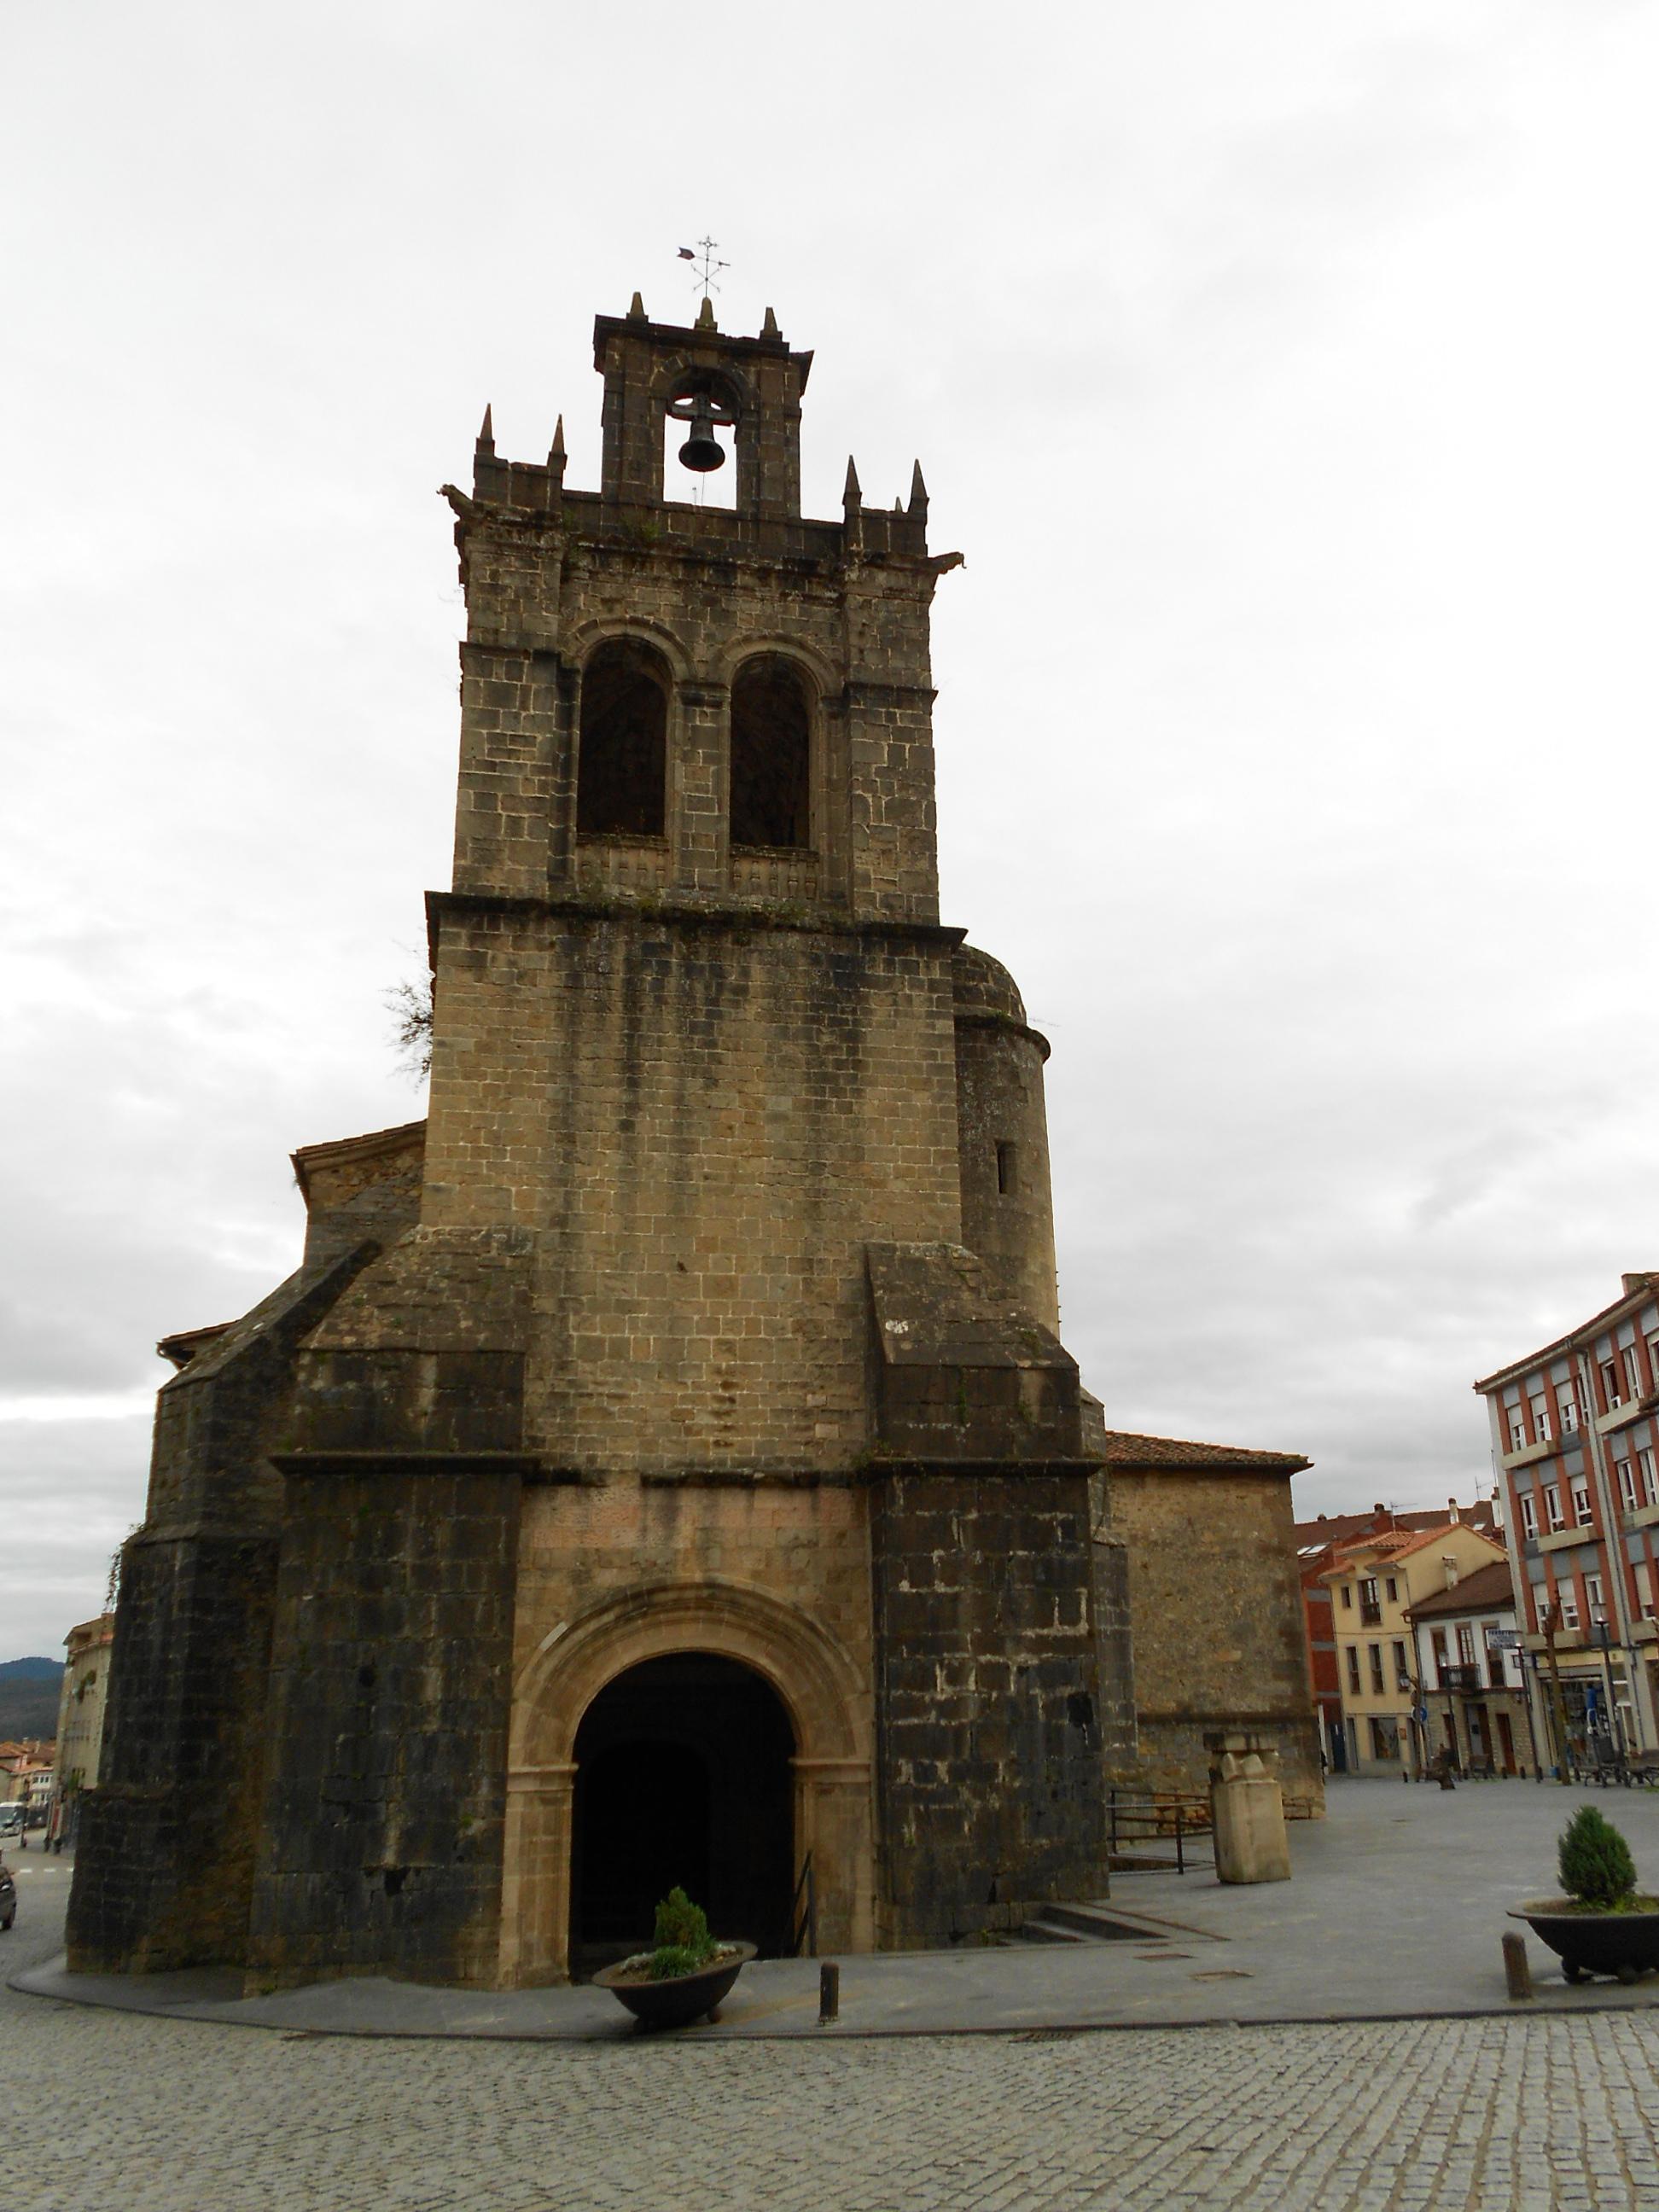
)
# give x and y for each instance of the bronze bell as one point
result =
(701, 450)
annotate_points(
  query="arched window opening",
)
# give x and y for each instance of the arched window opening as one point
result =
(771, 753)
(623, 758)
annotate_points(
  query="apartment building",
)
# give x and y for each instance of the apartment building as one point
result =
(1474, 1708)
(1574, 1428)
(1374, 1583)
(1316, 1544)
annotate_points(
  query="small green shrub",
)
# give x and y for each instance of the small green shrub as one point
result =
(1594, 1862)
(670, 1960)
(681, 1938)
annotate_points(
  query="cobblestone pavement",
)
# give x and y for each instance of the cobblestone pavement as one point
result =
(124, 2112)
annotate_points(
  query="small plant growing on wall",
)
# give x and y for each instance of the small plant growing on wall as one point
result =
(1596, 1869)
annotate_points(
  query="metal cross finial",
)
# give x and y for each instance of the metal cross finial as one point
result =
(706, 274)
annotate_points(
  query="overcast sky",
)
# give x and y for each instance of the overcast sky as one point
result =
(1285, 372)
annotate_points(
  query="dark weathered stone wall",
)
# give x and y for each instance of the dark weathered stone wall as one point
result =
(165, 1854)
(380, 1847)
(988, 1699)
(164, 1859)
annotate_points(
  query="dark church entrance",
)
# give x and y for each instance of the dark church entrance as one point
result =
(683, 1775)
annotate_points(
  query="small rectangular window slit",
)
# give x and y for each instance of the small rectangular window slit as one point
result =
(1007, 1170)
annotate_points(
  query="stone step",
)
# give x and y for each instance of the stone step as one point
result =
(1040, 1929)
(1090, 1923)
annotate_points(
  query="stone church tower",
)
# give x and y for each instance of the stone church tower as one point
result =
(663, 1467)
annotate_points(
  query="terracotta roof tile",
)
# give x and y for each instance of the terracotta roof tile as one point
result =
(1124, 1448)
(1488, 1589)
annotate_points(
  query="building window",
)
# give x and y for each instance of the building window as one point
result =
(1568, 1405)
(1465, 1644)
(1401, 1671)
(1348, 1595)
(1494, 1660)
(771, 753)
(1007, 1170)
(1567, 1599)
(1552, 1516)
(1645, 1589)
(1353, 1668)
(621, 759)
(1374, 1652)
(1385, 1743)
(1438, 1645)
(1393, 1588)
(1540, 1409)
(1594, 1599)
(1370, 1609)
(1517, 1429)
(1581, 1504)
(1649, 1481)
(1653, 1363)
(1529, 1505)
(1633, 1362)
(1610, 1381)
(1628, 1492)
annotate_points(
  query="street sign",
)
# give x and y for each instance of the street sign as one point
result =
(1504, 1639)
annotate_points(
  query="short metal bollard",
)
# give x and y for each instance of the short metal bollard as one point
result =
(828, 1992)
(1516, 1971)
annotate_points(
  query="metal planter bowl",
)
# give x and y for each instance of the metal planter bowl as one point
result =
(685, 1998)
(1623, 1944)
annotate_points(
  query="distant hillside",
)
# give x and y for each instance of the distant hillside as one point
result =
(28, 1704)
(31, 1670)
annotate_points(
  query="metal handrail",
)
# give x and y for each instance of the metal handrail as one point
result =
(807, 1923)
(1153, 1816)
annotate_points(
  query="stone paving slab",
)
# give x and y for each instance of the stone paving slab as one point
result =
(122, 2111)
(1396, 1910)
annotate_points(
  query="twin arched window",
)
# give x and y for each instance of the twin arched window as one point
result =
(622, 774)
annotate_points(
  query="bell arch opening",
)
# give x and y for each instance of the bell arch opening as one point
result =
(622, 758)
(684, 1777)
(770, 799)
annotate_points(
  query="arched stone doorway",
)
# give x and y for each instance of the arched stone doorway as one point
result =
(825, 1703)
(684, 1776)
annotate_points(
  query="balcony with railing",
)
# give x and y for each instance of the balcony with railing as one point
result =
(1370, 1612)
(1464, 1679)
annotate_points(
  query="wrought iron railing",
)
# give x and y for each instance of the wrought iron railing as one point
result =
(1158, 1817)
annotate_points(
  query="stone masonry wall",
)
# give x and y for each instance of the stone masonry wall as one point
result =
(1219, 1636)
(989, 1748)
(540, 598)
(165, 1857)
(391, 1682)
(702, 1125)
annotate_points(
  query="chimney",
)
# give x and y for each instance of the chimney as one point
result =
(1451, 1509)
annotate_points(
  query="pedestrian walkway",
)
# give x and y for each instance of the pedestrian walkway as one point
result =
(1396, 1910)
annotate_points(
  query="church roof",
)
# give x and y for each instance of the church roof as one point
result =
(1125, 1449)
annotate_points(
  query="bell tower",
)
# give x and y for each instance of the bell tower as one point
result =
(730, 706)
